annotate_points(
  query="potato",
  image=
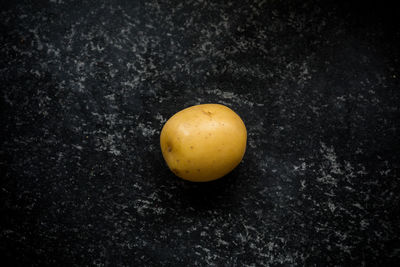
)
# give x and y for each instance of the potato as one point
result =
(203, 142)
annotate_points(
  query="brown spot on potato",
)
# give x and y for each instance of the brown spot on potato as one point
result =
(176, 171)
(208, 113)
(169, 146)
(188, 161)
(177, 160)
(191, 147)
(198, 170)
(187, 171)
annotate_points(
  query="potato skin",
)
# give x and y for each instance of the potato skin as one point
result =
(204, 142)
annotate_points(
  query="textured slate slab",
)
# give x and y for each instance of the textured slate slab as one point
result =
(86, 87)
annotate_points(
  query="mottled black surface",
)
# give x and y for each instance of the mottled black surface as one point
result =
(86, 87)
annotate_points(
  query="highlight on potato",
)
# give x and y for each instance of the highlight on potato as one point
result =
(203, 142)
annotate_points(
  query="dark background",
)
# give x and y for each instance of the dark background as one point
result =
(87, 85)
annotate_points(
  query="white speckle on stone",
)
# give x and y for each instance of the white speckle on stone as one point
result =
(252, 144)
(107, 142)
(270, 246)
(222, 242)
(301, 167)
(358, 205)
(51, 50)
(329, 154)
(146, 130)
(327, 179)
(364, 224)
(302, 184)
(242, 238)
(160, 118)
(37, 38)
(331, 206)
(77, 147)
(134, 83)
(114, 151)
(230, 96)
(79, 66)
(110, 97)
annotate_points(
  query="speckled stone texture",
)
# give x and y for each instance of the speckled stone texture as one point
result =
(87, 85)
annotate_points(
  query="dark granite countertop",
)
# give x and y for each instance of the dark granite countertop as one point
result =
(87, 85)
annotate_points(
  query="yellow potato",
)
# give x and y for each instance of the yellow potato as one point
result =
(203, 142)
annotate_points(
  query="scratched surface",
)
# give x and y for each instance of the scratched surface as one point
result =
(87, 85)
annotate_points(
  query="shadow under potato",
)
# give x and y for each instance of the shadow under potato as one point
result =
(213, 194)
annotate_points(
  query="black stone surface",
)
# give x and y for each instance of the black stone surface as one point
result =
(87, 85)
